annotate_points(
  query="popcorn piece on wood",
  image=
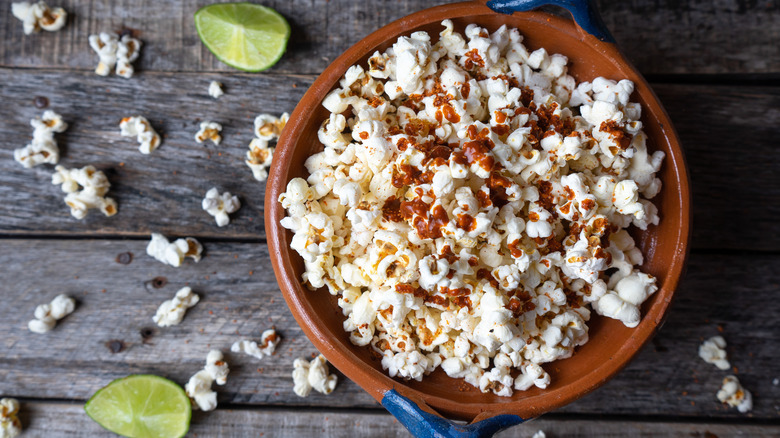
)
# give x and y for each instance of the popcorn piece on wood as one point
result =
(312, 375)
(215, 89)
(43, 148)
(220, 205)
(139, 127)
(268, 342)
(209, 131)
(37, 16)
(173, 253)
(86, 189)
(10, 426)
(171, 312)
(198, 388)
(47, 315)
(713, 351)
(733, 394)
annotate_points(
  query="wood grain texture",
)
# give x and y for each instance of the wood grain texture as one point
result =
(660, 37)
(111, 333)
(733, 191)
(47, 419)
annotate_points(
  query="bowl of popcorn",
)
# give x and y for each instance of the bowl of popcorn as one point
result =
(479, 215)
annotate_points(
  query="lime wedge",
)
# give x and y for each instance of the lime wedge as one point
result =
(245, 36)
(141, 406)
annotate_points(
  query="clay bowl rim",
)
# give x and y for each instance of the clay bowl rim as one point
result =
(376, 383)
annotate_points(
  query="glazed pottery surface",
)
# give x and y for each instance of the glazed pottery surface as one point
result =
(611, 344)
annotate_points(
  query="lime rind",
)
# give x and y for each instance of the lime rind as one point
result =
(245, 36)
(141, 406)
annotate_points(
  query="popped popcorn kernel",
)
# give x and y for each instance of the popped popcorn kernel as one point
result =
(469, 207)
(209, 131)
(173, 253)
(268, 342)
(86, 189)
(260, 155)
(198, 388)
(171, 312)
(312, 375)
(115, 53)
(733, 394)
(47, 315)
(43, 147)
(539, 434)
(220, 205)
(713, 351)
(215, 89)
(10, 425)
(138, 126)
(37, 16)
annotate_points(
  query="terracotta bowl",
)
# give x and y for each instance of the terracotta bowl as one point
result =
(611, 344)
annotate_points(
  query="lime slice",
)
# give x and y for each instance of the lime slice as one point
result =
(141, 406)
(245, 36)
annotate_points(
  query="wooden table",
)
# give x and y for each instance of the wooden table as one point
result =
(713, 64)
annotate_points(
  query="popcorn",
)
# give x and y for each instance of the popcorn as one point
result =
(138, 126)
(86, 189)
(713, 351)
(209, 131)
(539, 434)
(43, 148)
(114, 51)
(47, 315)
(268, 342)
(173, 253)
(220, 205)
(171, 312)
(469, 207)
(37, 16)
(312, 375)
(733, 394)
(10, 426)
(198, 388)
(215, 89)
(260, 155)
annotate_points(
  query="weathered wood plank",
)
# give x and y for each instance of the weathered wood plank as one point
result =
(733, 192)
(724, 36)
(111, 333)
(66, 419)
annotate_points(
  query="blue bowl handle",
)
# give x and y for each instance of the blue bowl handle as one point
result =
(426, 425)
(584, 12)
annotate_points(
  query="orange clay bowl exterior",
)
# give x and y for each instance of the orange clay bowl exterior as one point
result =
(611, 344)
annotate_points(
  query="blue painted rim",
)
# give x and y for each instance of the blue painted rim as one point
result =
(422, 424)
(584, 12)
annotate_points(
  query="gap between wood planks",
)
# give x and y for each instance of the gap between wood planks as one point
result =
(68, 418)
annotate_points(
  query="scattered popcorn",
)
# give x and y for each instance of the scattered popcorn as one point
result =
(268, 342)
(47, 315)
(86, 189)
(198, 388)
(220, 205)
(259, 155)
(37, 16)
(215, 89)
(539, 434)
(173, 253)
(115, 53)
(209, 131)
(314, 375)
(734, 395)
(10, 426)
(470, 204)
(43, 148)
(713, 351)
(139, 127)
(171, 312)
